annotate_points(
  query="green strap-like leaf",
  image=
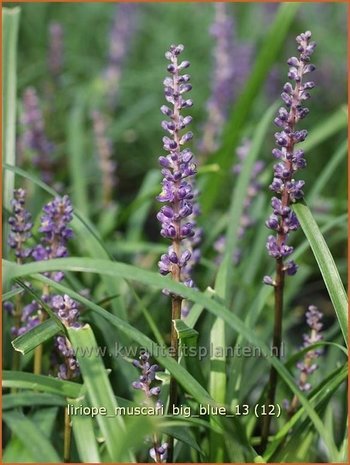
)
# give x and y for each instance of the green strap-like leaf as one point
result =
(99, 389)
(25, 399)
(326, 264)
(23, 380)
(10, 22)
(188, 336)
(31, 437)
(77, 155)
(84, 434)
(318, 395)
(36, 336)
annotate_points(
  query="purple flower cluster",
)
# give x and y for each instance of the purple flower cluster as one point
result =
(66, 309)
(148, 373)
(177, 167)
(307, 366)
(55, 56)
(69, 369)
(159, 451)
(288, 190)
(28, 319)
(54, 225)
(121, 34)
(34, 137)
(191, 244)
(231, 67)
(68, 312)
(20, 225)
(104, 151)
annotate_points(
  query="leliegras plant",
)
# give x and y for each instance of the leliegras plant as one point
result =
(95, 342)
(283, 220)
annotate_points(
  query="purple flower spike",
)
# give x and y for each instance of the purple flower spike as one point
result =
(104, 151)
(308, 366)
(231, 65)
(66, 309)
(55, 58)
(54, 225)
(69, 369)
(177, 216)
(145, 383)
(34, 137)
(121, 34)
(290, 159)
(68, 312)
(29, 319)
(20, 225)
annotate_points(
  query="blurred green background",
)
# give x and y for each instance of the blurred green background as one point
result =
(135, 129)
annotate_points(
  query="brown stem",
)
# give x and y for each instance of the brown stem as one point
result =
(173, 394)
(17, 324)
(38, 353)
(67, 436)
(276, 349)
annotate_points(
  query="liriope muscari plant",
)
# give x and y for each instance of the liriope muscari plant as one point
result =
(56, 233)
(287, 189)
(104, 152)
(145, 383)
(21, 226)
(177, 190)
(308, 366)
(230, 69)
(34, 138)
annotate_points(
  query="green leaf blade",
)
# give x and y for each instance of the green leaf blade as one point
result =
(326, 265)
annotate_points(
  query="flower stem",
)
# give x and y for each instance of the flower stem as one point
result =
(276, 349)
(67, 436)
(38, 353)
(174, 342)
(17, 321)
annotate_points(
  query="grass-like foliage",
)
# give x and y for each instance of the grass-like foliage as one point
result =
(149, 315)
